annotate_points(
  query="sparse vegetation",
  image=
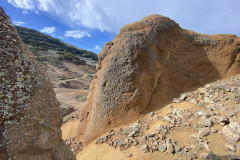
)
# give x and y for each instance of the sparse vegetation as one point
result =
(44, 42)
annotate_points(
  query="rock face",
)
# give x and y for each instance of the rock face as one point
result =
(29, 112)
(148, 64)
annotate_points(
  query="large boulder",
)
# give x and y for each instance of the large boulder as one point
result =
(29, 112)
(148, 64)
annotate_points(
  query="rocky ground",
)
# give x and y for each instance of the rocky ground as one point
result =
(71, 84)
(196, 125)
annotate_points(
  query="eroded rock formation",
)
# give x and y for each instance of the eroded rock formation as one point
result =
(148, 64)
(29, 112)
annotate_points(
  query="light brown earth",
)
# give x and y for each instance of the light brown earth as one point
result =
(183, 135)
(71, 85)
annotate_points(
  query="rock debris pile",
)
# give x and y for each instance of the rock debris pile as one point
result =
(214, 111)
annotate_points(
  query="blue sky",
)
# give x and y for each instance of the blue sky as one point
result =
(89, 24)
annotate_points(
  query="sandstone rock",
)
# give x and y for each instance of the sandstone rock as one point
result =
(230, 135)
(148, 64)
(30, 118)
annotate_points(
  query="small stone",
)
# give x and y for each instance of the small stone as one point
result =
(170, 119)
(129, 154)
(193, 101)
(231, 147)
(99, 140)
(122, 144)
(143, 139)
(177, 148)
(192, 155)
(176, 100)
(151, 114)
(205, 122)
(233, 157)
(159, 128)
(212, 156)
(170, 148)
(223, 120)
(145, 148)
(213, 130)
(182, 96)
(162, 147)
(208, 100)
(150, 134)
(135, 142)
(202, 90)
(203, 133)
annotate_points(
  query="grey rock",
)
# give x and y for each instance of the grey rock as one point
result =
(177, 148)
(176, 100)
(122, 144)
(170, 148)
(129, 154)
(150, 134)
(170, 119)
(235, 126)
(233, 157)
(183, 96)
(223, 120)
(143, 139)
(193, 101)
(192, 155)
(230, 135)
(151, 114)
(205, 122)
(203, 133)
(162, 147)
(202, 90)
(145, 148)
(231, 147)
(159, 128)
(212, 156)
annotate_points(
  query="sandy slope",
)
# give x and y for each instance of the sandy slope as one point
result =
(184, 136)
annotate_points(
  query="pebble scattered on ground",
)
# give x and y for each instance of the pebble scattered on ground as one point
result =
(215, 104)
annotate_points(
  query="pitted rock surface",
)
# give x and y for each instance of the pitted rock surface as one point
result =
(29, 112)
(149, 63)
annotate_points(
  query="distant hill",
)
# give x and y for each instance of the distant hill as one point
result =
(42, 42)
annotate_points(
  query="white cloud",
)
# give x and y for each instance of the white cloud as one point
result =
(23, 4)
(25, 12)
(77, 34)
(18, 23)
(48, 30)
(108, 15)
(98, 48)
